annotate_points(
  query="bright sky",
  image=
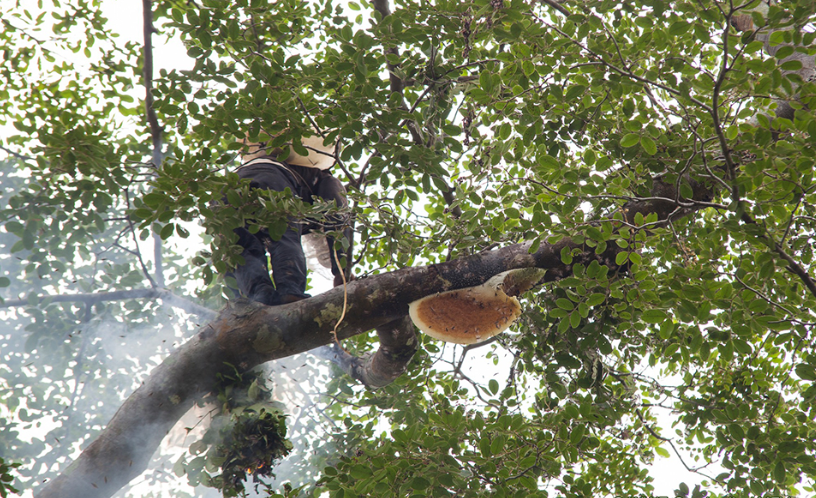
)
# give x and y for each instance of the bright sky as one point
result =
(126, 19)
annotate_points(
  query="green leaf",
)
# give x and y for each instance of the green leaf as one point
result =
(779, 472)
(595, 299)
(654, 316)
(153, 199)
(497, 445)
(679, 28)
(566, 255)
(360, 472)
(648, 145)
(484, 447)
(420, 483)
(793, 65)
(143, 214)
(166, 231)
(574, 92)
(806, 371)
(577, 434)
(575, 319)
(630, 140)
(493, 385)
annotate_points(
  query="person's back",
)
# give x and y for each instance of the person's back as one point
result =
(307, 177)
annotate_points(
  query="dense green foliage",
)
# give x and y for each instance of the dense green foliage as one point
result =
(504, 121)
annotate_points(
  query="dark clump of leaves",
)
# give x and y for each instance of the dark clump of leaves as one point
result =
(6, 478)
(252, 446)
(245, 438)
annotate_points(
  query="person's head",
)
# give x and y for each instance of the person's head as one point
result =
(320, 156)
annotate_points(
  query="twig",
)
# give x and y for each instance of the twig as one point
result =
(554, 4)
(763, 296)
(15, 154)
(674, 448)
(139, 255)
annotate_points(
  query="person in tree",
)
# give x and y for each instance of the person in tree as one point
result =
(307, 177)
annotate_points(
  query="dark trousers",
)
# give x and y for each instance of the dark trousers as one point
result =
(286, 254)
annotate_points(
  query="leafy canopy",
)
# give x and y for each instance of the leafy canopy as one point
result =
(464, 126)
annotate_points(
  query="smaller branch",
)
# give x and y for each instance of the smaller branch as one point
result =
(711, 174)
(715, 114)
(792, 218)
(554, 4)
(629, 74)
(398, 343)
(15, 154)
(471, 347)
(796, 268)
(474, 63)
(397, 84)
(765, 298)
(158, 261)
(123, 248)
(686, 205)
(139, 255)
(674, 448)
(155, 131)
(155, 128)
(89, 299)
(478, 391)
(511, 380)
